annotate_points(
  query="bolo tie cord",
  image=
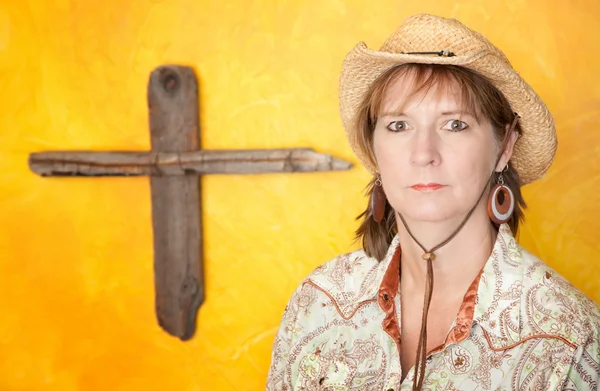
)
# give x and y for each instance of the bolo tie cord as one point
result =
(429, 256)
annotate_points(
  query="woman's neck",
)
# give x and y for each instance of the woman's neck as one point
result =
(457, 262)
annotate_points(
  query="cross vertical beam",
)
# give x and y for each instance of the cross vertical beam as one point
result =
(176, 216)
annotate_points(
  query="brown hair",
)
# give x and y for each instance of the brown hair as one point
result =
(479, 97)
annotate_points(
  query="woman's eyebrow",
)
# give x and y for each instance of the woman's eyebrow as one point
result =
(458, 112)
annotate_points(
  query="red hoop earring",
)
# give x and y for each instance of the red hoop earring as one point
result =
(378, 201)
(501, 203)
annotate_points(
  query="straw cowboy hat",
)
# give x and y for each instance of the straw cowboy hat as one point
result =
(429, 39)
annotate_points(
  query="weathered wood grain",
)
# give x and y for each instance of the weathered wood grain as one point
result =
(126, 163)
(177, 230)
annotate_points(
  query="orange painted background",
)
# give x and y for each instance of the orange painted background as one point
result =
(76, 292)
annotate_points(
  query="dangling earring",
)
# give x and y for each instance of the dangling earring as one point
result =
(501, 203)
(378, 200)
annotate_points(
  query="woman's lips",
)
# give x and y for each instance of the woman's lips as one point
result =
(427, 187)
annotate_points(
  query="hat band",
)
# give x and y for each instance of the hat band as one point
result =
(441, 53)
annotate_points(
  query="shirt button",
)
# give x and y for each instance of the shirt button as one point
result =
(390, 389)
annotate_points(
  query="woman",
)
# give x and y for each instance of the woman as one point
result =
(441, 297)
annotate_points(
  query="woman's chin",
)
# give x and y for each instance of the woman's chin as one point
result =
(426, 217)
(427, 213)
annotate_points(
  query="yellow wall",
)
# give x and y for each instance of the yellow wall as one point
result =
(76, 292)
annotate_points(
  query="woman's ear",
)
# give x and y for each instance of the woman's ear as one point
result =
(508, 151)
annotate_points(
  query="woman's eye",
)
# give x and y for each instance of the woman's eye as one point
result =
(455, 125)
(397, 126)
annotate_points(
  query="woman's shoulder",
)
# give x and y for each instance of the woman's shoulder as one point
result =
(352, 265)
(555, 305)
(348, 279)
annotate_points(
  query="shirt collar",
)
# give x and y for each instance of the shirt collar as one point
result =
(483, 303)
(504, 247)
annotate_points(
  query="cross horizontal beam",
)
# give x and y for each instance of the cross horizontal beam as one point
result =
(128, 163)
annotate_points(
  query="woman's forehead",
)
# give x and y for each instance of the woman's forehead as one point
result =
(407, 92)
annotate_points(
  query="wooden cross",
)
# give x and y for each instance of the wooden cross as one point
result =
(174, 163)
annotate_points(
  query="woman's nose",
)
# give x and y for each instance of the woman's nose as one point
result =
(425, 148)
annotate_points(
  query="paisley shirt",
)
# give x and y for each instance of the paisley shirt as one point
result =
(521, 326)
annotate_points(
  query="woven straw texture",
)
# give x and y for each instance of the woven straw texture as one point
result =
(535, 149)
